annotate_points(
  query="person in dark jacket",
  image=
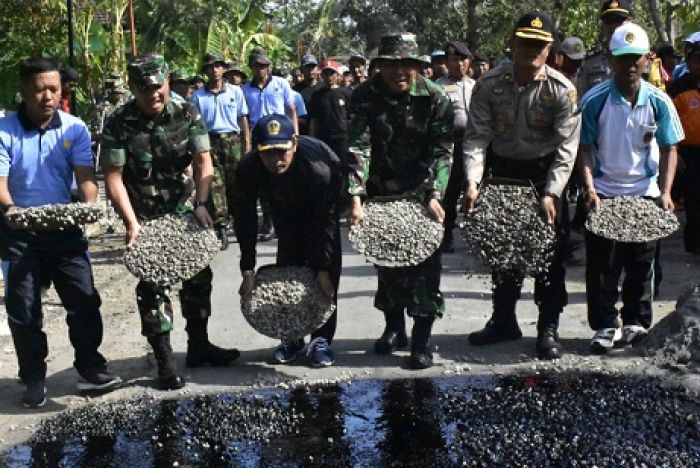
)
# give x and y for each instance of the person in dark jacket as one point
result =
(302, 178)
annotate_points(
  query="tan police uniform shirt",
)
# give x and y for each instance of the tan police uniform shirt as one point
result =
(460, 93)
(595, 69)
(523, 123)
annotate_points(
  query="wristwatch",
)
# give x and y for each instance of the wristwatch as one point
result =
(434, 195)
(199, 203)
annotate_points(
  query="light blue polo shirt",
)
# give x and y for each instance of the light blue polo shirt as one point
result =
(299, 105)
(39, 163)
(273, 98)
(625, 139)
(222, 110)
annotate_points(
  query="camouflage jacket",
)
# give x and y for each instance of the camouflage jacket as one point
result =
(154, 154)
(410, 137)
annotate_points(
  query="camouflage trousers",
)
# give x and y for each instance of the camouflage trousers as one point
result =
(415, 288)
(155, 307)
(225, 155)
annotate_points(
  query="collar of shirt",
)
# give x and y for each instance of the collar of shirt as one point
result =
(254, 82)
(28, 125)
(642, 95)
(510, 75)
(221, 91)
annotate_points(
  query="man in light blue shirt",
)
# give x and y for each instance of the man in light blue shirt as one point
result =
(265, 95)
(224, 110)
(630, 129)
(41, 150)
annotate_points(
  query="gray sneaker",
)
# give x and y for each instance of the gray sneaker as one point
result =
(35, 395)
(97, 380)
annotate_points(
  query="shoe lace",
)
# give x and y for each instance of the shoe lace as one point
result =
(318, 344)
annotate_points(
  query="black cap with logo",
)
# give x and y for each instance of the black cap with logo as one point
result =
(535, 25)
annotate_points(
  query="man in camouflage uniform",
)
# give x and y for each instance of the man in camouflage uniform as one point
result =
(410, 124)
(147, 146)
(522, 113)
(225, 112)
(115, 95)
(596, 68)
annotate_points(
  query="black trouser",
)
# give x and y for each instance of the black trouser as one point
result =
(63, 257)
(550, 288)
(605, 261)
(292, 251)
(455, 186)
(691, 195)
(156, 309)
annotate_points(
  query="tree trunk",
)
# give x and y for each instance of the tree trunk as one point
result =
(472, 38)
(656, 19)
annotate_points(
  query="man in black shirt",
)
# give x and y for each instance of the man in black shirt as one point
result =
(303, 181)
(307, 88)
(329, 112)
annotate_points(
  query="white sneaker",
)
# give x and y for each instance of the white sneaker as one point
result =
(604, 340)
(632, 334)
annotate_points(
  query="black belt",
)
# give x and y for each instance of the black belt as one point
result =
(222, 136)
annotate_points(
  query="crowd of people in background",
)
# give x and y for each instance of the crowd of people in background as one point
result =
(311, 144)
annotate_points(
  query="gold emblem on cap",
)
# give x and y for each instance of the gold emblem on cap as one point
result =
(578, 48)
(274, 127)
(536, 23)
(614, 4)
(629, 37)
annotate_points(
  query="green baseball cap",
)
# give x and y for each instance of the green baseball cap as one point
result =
(148, 70)
(399, 46)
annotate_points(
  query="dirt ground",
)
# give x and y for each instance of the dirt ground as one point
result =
(468, 308)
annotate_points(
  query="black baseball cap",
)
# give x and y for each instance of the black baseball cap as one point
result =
(459, 48)
(535, 25)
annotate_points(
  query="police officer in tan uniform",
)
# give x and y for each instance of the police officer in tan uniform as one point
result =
(459, 87)
(524, 112)
(596, 68)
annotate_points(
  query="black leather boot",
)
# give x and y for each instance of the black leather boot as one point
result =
(200, 351)
(421, 354)
(394, 336)
(168, 378)
(548, 345)
(497, 329)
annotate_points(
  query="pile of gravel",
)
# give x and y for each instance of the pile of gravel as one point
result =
(222, 417)
(286, 303)
(675, 341)
(507, 231)
(57, 216)
(171, 249)
(396, 233)
(631, 219)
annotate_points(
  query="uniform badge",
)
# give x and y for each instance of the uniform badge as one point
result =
(694, 103)
(273, 128)
(341, 102)
(497, 90)
(573, 96)
(67, 145)
(536, 23)
(629, 37)
(614, 4)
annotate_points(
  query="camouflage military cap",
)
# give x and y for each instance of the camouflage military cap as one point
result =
(148, 70)
(400, 46)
